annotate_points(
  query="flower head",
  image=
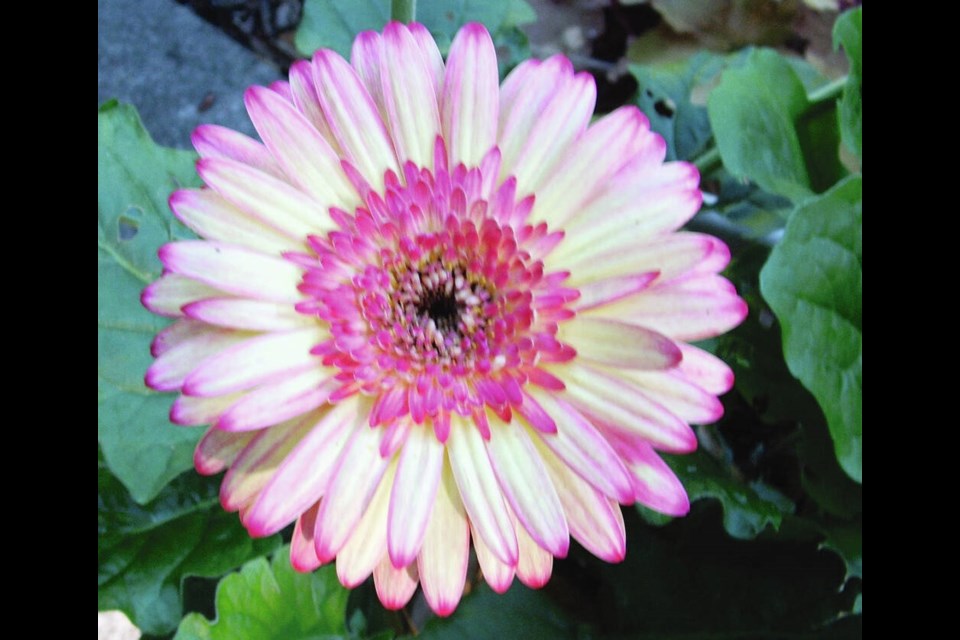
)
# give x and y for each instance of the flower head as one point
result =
(428, 308)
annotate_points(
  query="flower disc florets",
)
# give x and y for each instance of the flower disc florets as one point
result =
(434, 302)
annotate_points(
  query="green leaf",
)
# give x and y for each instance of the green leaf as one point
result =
(664, 97)
(135, 177)
(519, 613)
(766, 131)
(145, 551)
(848, 33)
(333, 24)
(814, 284)
(748, 508)
(270, 600)
(445, 18)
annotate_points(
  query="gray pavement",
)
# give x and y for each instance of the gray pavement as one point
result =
(178, 70)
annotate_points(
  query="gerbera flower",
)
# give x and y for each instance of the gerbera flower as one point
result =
(428, 309)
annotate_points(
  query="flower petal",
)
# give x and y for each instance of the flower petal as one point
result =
(278, 401)
(524, 95)
(615, 403)
(302, 476)
(527, 487)
(168, 295)
(692, 309)
(250, 315)
(705, 370)
(234, 269)
(471, 96)
(208, 215)
(496, 574)
(430, 52)
(217, 450)
(407, 79)
(535, 564)
(641, 203)
(171, 369)
(180, 331)
(256, 464)
(303, 557)
(304, 94)
(365, 57)
(394, 586)
(480, 490)
(300, 149)
(584, 449)
(594, 521)
(655, 483)
(609, 290)
(275, 203)
(368, 542)
(679, 395)
(565, 117)
(618, 344)
(214, 141)
(606, 147)
(670, 256)
(446, 549)
(190, 411)
(353, 117)
(414, 492)
(354, 482)
(268, 357)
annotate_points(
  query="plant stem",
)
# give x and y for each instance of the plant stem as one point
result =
(404, 11)
(828, 92)
(707, 161)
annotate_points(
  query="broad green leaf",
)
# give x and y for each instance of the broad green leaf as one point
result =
(333, 24)
(848, 33)
(519, 613)
(814, 283)
(145, 551)
(765, 130)
(663, 95)
(445, 18)
(270, 600)
(748, 508)
(135, 177)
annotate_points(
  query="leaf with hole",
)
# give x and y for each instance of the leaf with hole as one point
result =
(664, 96)
(134, 179)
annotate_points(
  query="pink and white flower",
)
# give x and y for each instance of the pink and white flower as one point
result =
(429, 308)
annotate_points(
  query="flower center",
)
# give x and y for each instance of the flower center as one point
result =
(440, 305)
(436, 298)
